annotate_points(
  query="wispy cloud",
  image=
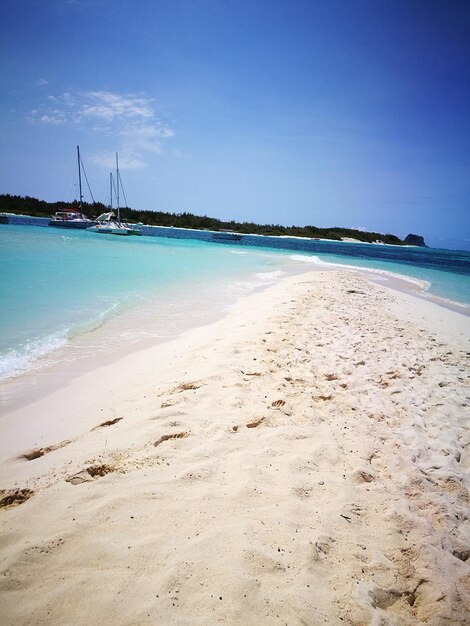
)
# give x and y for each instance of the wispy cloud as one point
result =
(146, 137)
(131, 119)
(110, 106)
(128, 160)
(53, 116)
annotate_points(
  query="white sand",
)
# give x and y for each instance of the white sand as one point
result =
(303, 461)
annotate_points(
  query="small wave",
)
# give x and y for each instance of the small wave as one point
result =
(28, 356)
(241, 286)
(89, 326)
(269, 275)
(16, 361)
(422, 284)
(446, 301)
(308, 259)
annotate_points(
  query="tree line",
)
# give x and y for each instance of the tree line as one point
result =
(25, 205)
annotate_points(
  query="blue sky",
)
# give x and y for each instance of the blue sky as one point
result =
(353, 113)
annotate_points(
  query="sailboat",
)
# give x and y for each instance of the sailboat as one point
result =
(108, 223)
(70, 217)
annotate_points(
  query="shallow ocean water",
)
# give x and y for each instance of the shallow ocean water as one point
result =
(65, 294)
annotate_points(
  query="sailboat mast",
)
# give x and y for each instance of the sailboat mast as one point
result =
(117, 189)
(111, 190)
(80, 182)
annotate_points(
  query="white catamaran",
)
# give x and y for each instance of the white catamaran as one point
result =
(109, 223)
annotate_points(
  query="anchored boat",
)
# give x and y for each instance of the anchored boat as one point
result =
(109, 223)
(70, 217)
(226, 237)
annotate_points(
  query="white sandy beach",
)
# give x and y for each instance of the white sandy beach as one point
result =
(305, 460)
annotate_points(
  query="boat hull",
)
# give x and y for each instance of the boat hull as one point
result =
(71, 223)
(109, 230)
(226, 237)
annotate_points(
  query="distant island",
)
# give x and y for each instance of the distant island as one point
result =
(415, 240)
(26, 205)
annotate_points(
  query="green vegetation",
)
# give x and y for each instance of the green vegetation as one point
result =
(40, 208)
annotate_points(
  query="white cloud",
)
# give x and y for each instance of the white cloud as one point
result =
(55, 117)
(110, 105)
(130, 118)
(127, 160)
(146, 137)
(68, 99)
(41, 82)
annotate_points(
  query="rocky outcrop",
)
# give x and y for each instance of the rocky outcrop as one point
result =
(415, 240)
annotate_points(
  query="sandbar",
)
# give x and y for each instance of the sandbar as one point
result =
(303, 460)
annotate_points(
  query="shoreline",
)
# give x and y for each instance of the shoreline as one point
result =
(302, 459)
(45, 376)
(35, 355)
(342, 240)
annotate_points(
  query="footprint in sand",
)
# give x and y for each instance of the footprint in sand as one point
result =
(302, 492)
(91, 472)
(385, 598)
(185, 387)
(171, 436)
(13, 497)
(322, 548)
(461, 552)
(180, 388)
(108, 423)
(39, 452)
(167, 403)
(362, 476)
(256, 423)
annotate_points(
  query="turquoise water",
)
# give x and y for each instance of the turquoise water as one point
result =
(66, 291)
(448, 286)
